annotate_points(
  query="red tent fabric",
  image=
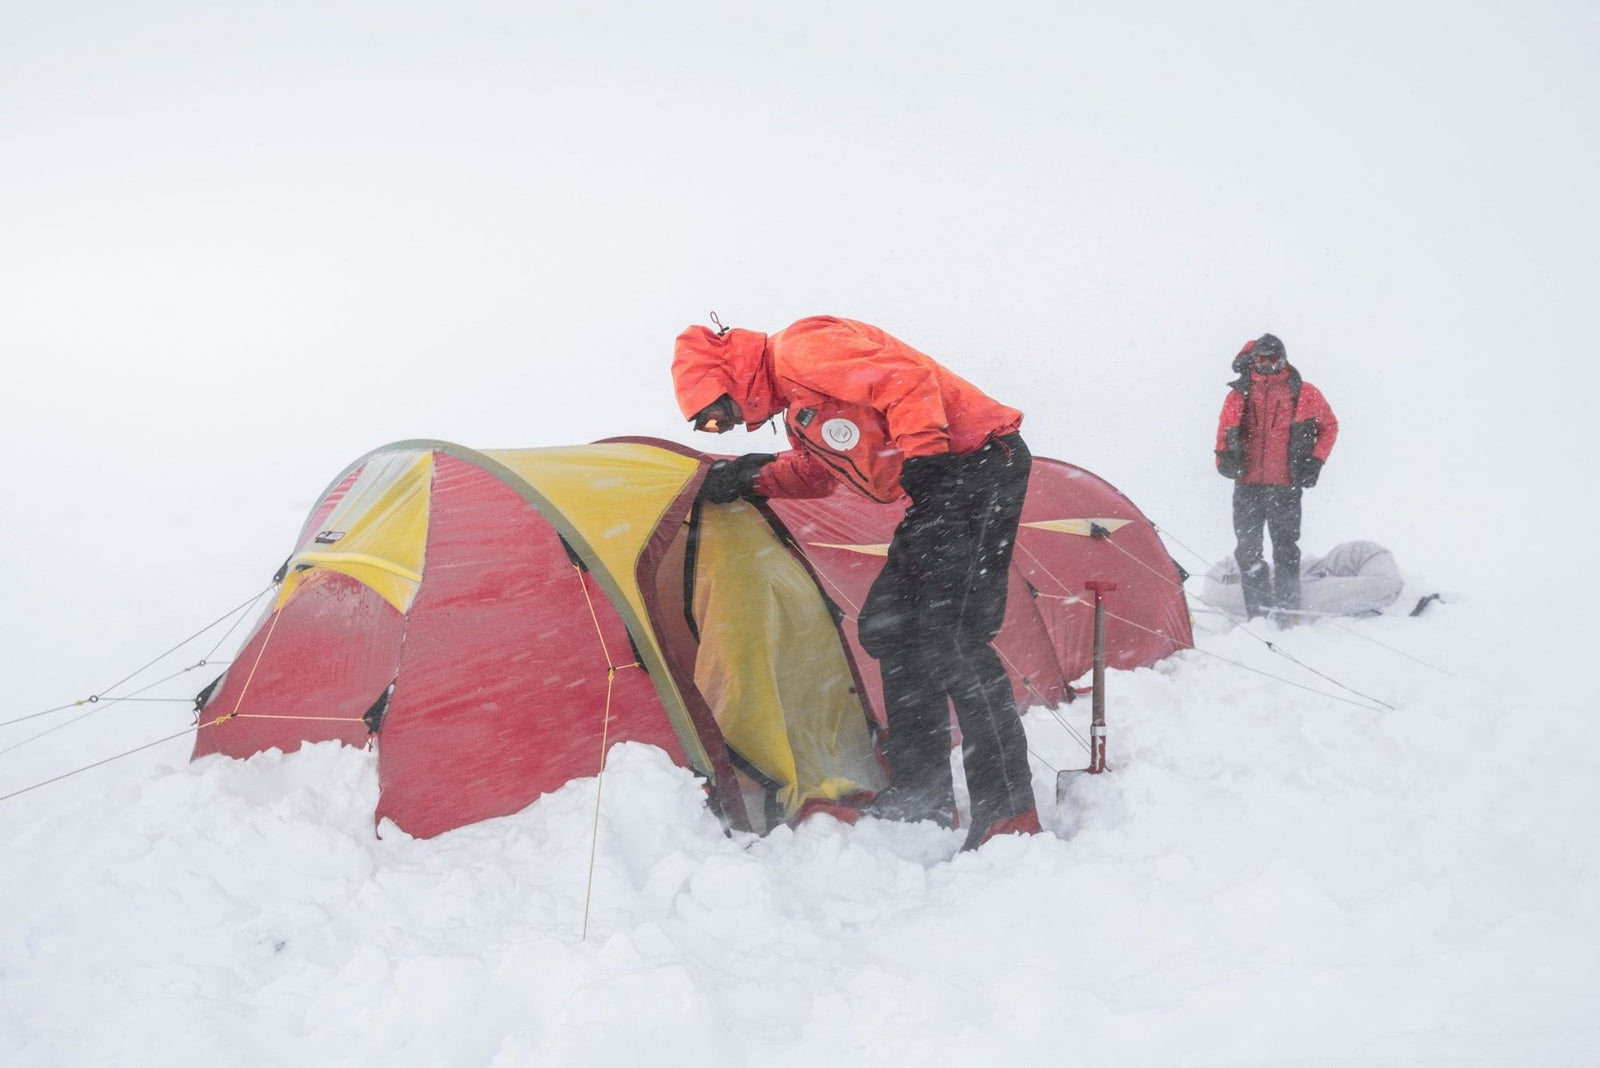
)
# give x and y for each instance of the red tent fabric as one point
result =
(1075, 527)
(494, 621)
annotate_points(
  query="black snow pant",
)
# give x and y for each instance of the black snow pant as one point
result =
(929, 621)
(1275, 509)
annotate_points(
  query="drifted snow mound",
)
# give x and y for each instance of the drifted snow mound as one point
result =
(1356, 578)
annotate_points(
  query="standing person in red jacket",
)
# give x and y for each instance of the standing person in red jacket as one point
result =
(865, 409)
(1275, 432)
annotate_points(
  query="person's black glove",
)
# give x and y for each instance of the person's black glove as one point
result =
(922, 476)
(1230, 458)
(1307, 471)
(728, 480)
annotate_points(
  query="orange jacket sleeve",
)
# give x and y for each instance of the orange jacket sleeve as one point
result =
(795, 473)
(861, 364)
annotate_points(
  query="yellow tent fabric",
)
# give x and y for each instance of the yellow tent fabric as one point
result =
(613, 495)
(771, 665)
(378, 533)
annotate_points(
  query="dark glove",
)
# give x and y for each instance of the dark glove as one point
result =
(921, 476)
(728, 480)
(1230, 458)
(1307, 471)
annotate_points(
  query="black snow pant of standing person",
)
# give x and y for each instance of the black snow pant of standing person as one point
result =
(929, 621)
(1275, 510)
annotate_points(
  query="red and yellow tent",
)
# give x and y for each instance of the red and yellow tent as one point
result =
(494, 621)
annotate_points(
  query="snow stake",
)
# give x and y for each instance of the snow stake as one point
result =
(1097, 724)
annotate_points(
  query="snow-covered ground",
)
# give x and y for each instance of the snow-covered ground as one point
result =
(241, 245)
(1267, 875)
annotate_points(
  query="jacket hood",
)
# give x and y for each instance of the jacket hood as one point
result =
(1268, 345)
(705, 365)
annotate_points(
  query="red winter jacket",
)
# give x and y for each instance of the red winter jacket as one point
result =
(1270, 426)
(856, 402)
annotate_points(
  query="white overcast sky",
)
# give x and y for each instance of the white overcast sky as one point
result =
(242, 244)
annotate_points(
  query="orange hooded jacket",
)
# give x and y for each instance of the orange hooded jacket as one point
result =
(856, 402)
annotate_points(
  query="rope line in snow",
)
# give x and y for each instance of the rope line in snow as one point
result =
(1151, 630)
(605, 742)
(599, 785)
(104, 695)
(1323, 675)
(1332, 618)
(1055, 712)
(98, 763)
(1280, 651)
(141, 748)
(254, 598)
(97, 703)
(1226, 660)
(51, 730)
(99, 700)
(1289, 682)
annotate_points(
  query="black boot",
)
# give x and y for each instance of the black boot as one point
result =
(908, 805)
(1255, 582)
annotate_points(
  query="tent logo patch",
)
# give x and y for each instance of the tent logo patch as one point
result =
(840, 434)
(328, 537)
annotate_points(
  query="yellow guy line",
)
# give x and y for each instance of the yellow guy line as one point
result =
(605, 739)
(251, 677)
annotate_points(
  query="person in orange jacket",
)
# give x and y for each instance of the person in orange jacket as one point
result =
(1274, 434)
(867, 410)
